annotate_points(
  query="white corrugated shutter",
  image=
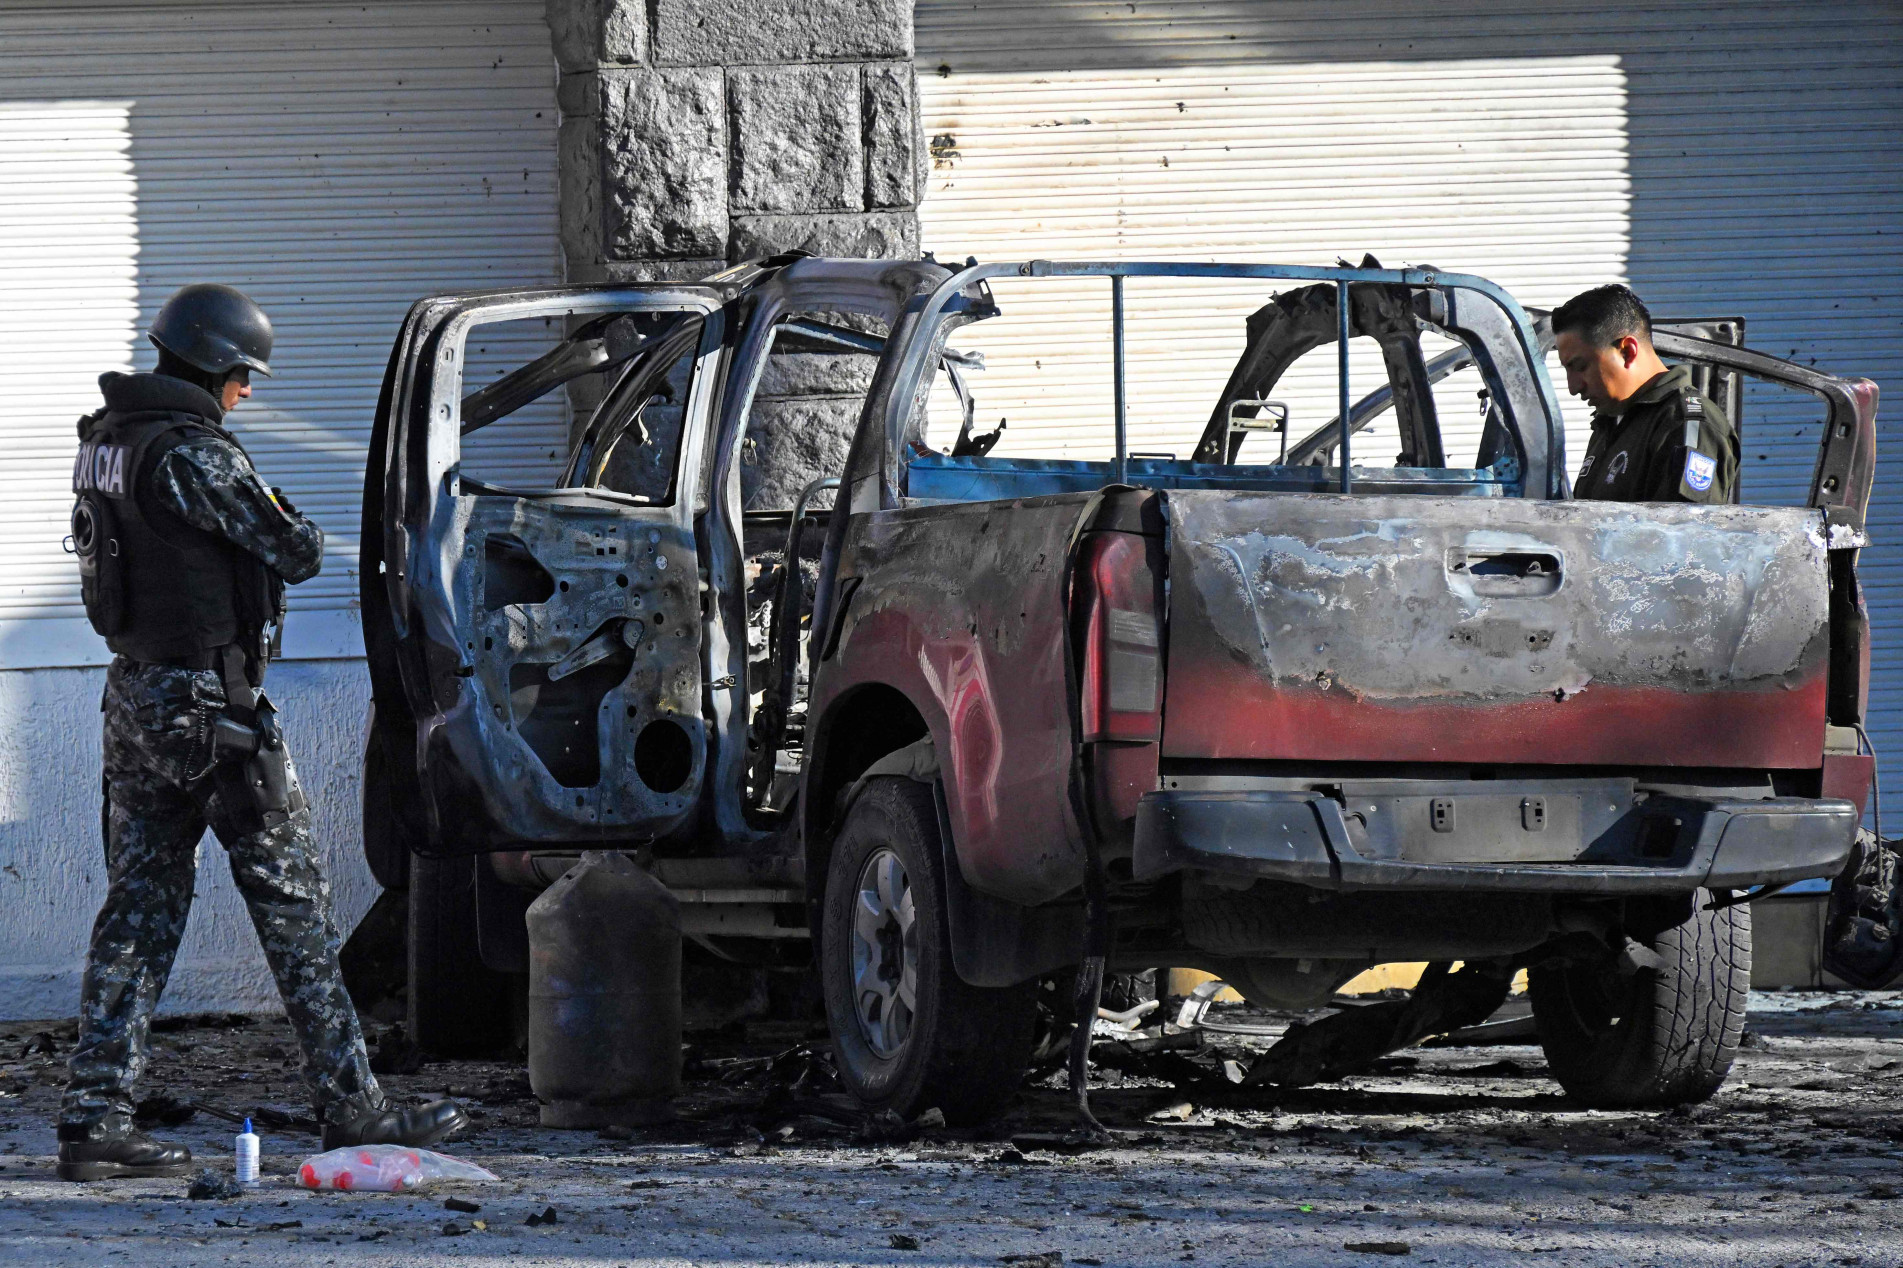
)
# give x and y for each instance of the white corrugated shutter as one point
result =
(334, 161)
(1724, 158)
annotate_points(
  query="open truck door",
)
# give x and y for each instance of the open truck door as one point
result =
(536, 667)
(1762, 392)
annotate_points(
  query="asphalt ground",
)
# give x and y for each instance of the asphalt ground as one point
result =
(1448, 1155)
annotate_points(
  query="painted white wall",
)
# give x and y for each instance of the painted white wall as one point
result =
(52, 867)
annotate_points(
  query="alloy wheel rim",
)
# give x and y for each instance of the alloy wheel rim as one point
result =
(884, 954)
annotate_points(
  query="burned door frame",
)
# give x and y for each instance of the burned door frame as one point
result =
(887, 289)
(1479, 312)
(483, 785)
(1846, 454)
(1841, 480)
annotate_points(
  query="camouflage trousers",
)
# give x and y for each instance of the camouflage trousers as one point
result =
(157, 807)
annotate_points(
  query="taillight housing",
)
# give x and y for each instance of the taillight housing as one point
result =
(1117, 606)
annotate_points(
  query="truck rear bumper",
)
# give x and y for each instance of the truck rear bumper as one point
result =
(1668, 844)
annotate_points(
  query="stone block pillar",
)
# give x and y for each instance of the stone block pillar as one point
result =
(696, 133)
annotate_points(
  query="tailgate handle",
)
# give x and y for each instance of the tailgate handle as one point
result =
(1509, 572)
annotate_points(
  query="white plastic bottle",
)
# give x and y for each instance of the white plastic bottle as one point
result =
(247, 1155)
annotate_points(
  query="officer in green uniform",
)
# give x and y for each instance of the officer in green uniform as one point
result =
(1655, 438)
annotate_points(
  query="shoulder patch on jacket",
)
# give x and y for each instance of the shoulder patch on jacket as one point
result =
(1700, 469)
(1694, 419)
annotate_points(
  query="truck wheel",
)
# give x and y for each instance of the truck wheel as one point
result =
(1661, 1036)
(458, 1006)
(908, 1033)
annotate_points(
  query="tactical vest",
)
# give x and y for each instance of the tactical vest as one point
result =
(157, 588)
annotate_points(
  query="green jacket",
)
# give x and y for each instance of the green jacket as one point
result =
(1665, 443)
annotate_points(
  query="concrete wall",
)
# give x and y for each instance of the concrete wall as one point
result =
(698, 132)
(52, 869)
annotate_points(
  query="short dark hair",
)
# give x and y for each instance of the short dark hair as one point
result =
(1604, 315)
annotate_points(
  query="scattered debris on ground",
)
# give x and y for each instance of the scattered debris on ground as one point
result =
(1448, 1155)
(210, 1185)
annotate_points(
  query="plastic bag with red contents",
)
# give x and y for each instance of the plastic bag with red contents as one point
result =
(384, 1169)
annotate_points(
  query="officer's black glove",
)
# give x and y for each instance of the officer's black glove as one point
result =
(284, 503)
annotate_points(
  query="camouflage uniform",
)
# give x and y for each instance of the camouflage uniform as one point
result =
(158, 802)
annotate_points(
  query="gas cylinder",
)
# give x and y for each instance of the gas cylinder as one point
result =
(605, 996)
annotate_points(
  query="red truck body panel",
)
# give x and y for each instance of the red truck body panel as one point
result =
(1219, 709)
(965, 617)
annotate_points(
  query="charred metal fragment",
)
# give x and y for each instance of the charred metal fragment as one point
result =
(1863, 938)
(1350, 1041)
(1296, 323)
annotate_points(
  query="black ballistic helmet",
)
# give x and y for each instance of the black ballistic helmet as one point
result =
(216, 328)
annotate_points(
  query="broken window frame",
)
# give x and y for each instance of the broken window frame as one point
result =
(1478, 312)
(893, 292)
(1846, 454)
(621, 409)
(578, 354)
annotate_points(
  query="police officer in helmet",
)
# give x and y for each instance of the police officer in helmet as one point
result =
(1655, 438)
(184, 555)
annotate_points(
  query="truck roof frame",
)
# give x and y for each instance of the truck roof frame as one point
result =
(1343, 276)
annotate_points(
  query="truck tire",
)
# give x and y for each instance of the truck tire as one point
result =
(458, 1006)
(1658, 1037)
(908, 1033)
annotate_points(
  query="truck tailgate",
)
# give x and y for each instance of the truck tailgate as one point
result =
(1418, 629)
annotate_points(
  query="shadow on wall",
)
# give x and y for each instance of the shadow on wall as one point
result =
(335, 179)
(1764, 151)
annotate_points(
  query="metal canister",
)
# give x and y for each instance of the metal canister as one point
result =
(605, 996)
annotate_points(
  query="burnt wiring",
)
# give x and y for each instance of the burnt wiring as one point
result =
(1876, 782)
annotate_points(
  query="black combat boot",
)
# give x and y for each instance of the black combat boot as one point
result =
(424, 1125)
(132, 1156)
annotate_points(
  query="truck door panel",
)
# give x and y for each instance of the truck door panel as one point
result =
(559, 615)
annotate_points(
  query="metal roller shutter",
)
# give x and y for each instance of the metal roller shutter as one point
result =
(1723, 158)
(335, 161)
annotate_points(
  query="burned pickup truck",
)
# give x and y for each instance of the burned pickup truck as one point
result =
(739, 577)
